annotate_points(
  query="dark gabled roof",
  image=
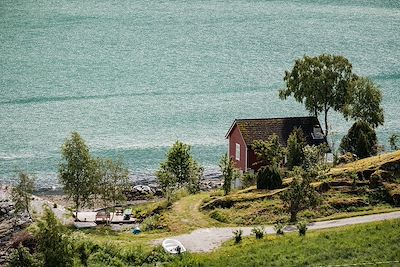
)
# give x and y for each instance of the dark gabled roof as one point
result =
(262, 129)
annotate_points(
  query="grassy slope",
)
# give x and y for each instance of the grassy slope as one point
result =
(367, 163)
(356, 244)
(186, 216)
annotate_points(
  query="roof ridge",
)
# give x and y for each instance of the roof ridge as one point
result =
(277, 118)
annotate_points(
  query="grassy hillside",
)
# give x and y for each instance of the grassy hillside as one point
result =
(365, 186)
(372, 243)
(370, 165)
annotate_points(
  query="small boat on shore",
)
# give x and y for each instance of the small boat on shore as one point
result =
(173, 246)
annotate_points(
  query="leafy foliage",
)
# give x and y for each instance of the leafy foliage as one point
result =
(365, 102)
(114, 181)
(360, 140)
(314, 164)
(269, 152)
(53, 241)
(393, 141)
(217, 215)
(180, 169)
(299, 196)
(21, 193)
(258, 231)
(248, 179)
(229, 172)
(295, 148)
(269, 177)
(238, 235)
(321, 83)
(22, 258)
(302, 227)
(279, 227)
(78, 173)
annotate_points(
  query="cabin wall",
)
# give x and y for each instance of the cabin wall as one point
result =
(234, 138)
(251, 160)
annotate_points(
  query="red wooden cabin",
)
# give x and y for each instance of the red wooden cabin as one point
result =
(244, 131)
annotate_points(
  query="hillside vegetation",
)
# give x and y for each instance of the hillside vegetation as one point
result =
(371, 185)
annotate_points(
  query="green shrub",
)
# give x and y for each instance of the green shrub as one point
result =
(248, 179)
(152, 223)
(83, 249)
(238, 235)
(269, 177)
(279, 227)
(295, 148)
(102, 258)
(258, 231)
(53, 241)
(360, 140)
(216, 215)
(22, 258)
(134, 256)
(302, 227)
(158, 255)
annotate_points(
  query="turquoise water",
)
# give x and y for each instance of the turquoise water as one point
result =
(134, 76)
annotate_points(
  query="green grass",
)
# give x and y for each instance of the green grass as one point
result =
(367, 163)
(371, 243)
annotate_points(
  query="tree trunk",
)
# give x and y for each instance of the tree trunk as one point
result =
(76, 211)
(326, 122)
(293, 216)
(27, 208)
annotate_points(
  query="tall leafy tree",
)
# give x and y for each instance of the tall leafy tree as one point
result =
(53, 242)
(270, 152)
(300, 195)
(322, 83)
(295, 148)
(365, 102)
(360, 140)
(229, 172)
(180, 169)
(78, 171)
(21, 193)
(113, 183)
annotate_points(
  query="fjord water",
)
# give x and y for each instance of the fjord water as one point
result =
(134, 76)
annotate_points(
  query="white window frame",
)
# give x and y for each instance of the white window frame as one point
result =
(237, 152)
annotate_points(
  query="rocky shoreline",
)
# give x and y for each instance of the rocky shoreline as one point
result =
(142, 187)
(10, 223)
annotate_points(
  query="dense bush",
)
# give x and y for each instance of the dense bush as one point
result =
(279, 227)
(269, 177)
(295, 148)
(238, 235)
(22, 258)
(361, 140)
(302, 227)
(53, 242)
(216, 215)
(248, 179)
(258, 231)
(101, 258)
(153, 223)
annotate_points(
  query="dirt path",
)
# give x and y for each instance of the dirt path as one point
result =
(185, 215)
(207, 239)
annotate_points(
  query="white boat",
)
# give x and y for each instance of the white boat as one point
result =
(173, 246)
